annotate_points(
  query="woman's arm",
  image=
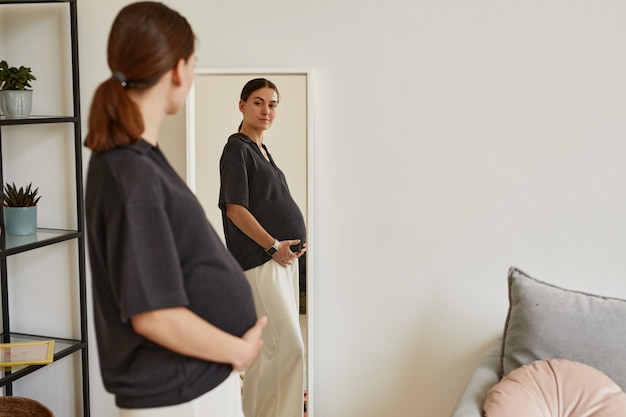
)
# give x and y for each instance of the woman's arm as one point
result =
(182, 331)
(249, 225)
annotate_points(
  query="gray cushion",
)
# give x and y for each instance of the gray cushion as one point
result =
(548, 322)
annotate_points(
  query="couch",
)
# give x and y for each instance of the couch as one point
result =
(547, 323)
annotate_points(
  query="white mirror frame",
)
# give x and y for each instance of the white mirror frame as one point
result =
(191, 181)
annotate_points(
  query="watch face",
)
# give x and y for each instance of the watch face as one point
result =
(271, 251)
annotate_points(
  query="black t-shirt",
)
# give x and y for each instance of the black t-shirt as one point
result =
(250, 180)
(151, 247)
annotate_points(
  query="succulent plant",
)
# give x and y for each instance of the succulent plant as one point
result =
(14, 197)
(12, 78)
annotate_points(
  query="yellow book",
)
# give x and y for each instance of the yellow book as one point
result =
(26, 353)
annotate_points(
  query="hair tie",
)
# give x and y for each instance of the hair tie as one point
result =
(120, 77)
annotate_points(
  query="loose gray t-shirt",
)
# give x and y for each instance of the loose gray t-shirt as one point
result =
(250, 180)
(152, 247)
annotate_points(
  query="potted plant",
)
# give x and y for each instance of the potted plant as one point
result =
(20, 209)
(16, 97)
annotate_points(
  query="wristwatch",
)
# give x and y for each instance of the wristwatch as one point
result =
(273, 249)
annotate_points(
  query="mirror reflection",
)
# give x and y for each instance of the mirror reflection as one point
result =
(212, 115)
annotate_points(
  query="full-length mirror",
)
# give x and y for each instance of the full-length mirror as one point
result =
(212, 114)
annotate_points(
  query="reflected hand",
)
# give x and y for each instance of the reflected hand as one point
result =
(284, 256)
(302, 250)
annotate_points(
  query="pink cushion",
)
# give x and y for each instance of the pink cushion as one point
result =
(555, 388)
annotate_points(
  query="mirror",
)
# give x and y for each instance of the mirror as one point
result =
(211, 115)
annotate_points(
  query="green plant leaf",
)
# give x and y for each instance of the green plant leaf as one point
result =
(22, 197)
(12, 78)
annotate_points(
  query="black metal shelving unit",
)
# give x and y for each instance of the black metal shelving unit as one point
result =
(11, 245)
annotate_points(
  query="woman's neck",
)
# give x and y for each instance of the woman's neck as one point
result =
(151, 105)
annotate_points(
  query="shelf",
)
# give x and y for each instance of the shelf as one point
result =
(31, 120)
(62, 348)
(10, 244)
(34, 1)
(62, 122)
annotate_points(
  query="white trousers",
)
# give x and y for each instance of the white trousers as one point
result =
(222, 401)
(274, 385)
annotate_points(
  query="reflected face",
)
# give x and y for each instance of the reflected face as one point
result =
(260, 109)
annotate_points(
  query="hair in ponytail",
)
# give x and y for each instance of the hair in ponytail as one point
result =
(147, 39)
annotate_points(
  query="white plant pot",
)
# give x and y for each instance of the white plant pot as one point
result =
(16, 104)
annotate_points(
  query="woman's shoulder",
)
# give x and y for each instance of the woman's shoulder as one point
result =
(127, 163)
(238, 140)
(238, 144)
(136, 150)
(137, 153)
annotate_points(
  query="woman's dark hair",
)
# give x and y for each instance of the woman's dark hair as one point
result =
(147, 39)
(253, 85)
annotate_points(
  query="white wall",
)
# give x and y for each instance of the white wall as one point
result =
(452, 140)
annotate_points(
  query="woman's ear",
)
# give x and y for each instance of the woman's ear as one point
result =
(177, 72)
(241, 103)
